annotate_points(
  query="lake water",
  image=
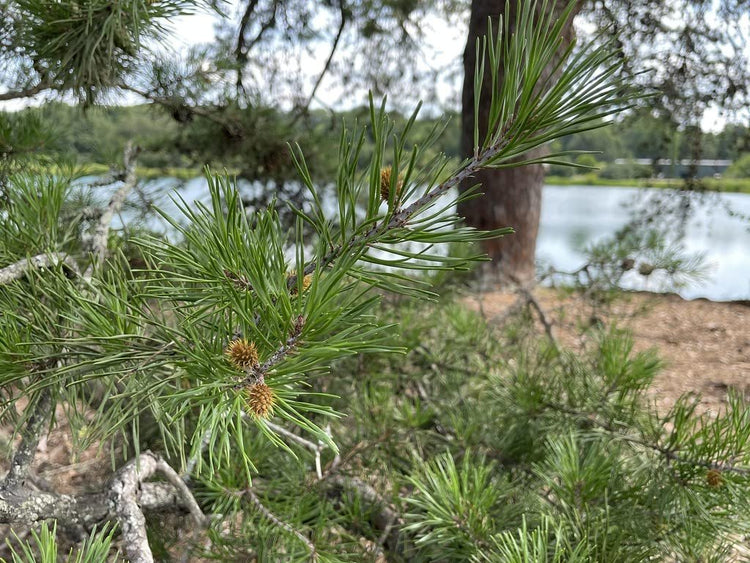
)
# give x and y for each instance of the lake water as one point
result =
(574, 216)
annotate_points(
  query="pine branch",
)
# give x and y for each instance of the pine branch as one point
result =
(257, 374)
(17, 270)
(27, 506)
(402, 216)
(670, 454)
(30, 436)
(101, 235)
(122, 495)
(342, 24)
(280, 523)
(26, 92)
(169, 103)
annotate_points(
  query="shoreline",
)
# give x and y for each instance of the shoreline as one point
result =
(722, 185)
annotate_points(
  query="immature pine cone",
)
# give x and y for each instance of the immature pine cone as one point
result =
(242, 353)
(260, 400)
(385, 184)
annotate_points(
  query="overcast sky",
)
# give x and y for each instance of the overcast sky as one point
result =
(444, 45)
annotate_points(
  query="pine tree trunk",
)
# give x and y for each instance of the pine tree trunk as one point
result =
(512, 196)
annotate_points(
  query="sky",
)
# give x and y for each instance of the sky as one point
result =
(444, 45)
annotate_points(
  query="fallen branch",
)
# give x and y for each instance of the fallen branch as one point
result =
(124, 499)
(281, 524)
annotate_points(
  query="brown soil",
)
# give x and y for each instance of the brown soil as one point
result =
(705, 345)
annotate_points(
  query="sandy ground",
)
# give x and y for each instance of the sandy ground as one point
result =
(705, 345)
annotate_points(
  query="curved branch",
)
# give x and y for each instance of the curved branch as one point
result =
(123, 494)
(27, 92)
(303, 109)
(169, 103)
(17, 270)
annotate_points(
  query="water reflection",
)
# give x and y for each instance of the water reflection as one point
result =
(573, 216)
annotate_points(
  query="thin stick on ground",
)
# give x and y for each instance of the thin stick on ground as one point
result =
(281, 524)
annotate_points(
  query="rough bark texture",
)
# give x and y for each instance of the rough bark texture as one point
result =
(19, 269)
(513, 196)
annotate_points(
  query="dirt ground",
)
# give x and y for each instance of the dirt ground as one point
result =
(705, 345)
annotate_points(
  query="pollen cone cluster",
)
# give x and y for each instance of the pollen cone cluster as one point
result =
(306, 281)
(385, 184)
(714, 478)
(242, 353)
(260, 400)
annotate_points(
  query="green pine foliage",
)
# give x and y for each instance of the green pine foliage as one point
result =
(43, 547)
(316, 406)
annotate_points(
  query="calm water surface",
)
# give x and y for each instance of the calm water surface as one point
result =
(574, 216)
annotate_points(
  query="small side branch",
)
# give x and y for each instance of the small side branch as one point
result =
(281, 524)
(26, 92)
(532, 301)
(32, 433)
(342, 24)
(18, 270)
(101, 234)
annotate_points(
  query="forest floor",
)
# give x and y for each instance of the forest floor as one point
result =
(705, 345)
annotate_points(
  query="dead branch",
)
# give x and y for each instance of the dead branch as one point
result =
(26, 92)
(32, 432)
(342, 24)
(18, 270)
(101, 235)
(281, 524)
(122, 496)
(124, 499)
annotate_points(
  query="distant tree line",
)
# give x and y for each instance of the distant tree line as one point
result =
(98, 135)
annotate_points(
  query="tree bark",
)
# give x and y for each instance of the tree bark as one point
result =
(512, 196)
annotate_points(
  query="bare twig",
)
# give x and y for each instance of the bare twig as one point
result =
(101, 234)
(208, 113)
(531, 300)
(281, 524)
(342, 24)
(292, 436)
(32, 432)
(17, 270)
(185, 494)
(26, 92)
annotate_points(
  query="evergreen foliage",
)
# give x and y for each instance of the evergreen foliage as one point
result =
(236, 351)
